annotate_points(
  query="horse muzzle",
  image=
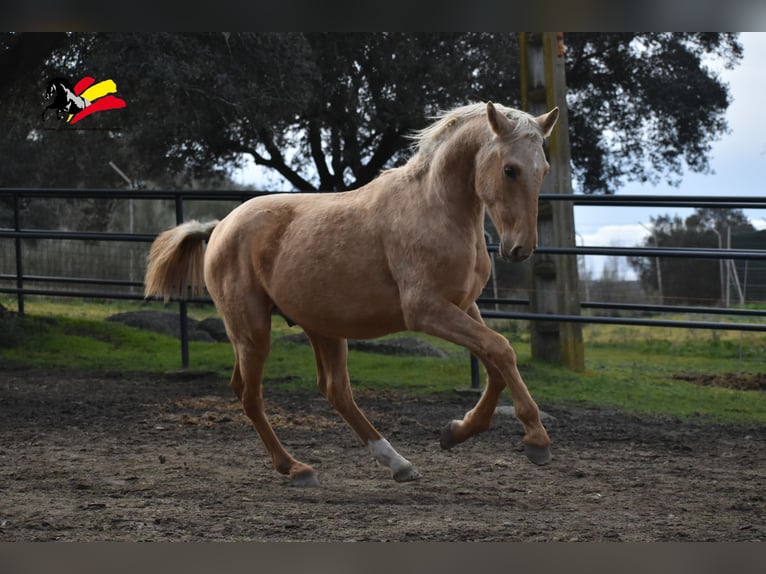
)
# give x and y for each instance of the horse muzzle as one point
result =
(516, 253)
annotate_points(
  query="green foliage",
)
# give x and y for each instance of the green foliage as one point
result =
(689, 280)
(330, 110)
(645, 104)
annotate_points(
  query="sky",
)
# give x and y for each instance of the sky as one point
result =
(738, 167)
(738, 164)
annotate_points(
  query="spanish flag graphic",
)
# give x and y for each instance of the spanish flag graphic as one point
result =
(98, 96)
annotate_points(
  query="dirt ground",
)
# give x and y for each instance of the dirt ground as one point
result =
(88, 457)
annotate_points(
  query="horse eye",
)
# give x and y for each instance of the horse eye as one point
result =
(510, 171)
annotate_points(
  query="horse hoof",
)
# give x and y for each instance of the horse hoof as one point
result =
(305, 479)
(406, 474)
(447, 439)
(539, 455)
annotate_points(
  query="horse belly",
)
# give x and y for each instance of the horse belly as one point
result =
(337, 316)
(337, 305)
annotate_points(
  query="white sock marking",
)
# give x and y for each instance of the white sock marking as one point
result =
(385, 454)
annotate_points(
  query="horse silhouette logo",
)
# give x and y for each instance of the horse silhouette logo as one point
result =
(73, 103)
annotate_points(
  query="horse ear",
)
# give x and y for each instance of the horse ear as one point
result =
(497, 121)
(547, 121)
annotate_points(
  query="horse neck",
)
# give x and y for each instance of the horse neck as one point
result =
(451, 175)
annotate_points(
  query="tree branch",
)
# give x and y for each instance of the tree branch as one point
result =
(389, 144)
(315, 144)
(277, 162)
(336, 183)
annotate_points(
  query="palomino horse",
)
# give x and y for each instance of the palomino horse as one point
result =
(404, 252)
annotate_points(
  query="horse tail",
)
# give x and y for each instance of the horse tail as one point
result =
(175, 263)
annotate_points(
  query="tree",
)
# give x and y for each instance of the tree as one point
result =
(329, 111)
(642, 105)
(688, 280)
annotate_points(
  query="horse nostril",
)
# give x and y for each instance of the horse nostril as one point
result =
(519, 253)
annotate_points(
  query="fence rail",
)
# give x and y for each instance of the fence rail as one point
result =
(129, 289)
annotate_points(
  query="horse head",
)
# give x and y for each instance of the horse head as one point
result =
(509, 175)
(65, 101)
(58, 87)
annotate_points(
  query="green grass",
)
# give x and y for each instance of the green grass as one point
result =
(628, 368)
(633, 387)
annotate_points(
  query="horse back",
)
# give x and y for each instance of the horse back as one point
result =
(340, 263)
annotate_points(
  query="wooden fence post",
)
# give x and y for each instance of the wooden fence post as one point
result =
(554, 278)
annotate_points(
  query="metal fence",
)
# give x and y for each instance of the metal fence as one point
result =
(22, 273)
(719, 202)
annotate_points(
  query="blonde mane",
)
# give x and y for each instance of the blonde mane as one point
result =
(427, 140)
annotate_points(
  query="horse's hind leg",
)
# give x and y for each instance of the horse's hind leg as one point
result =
(251, 349)
(332, 377)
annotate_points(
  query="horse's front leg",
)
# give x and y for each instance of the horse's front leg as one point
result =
(448, 322)
(479, 418)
